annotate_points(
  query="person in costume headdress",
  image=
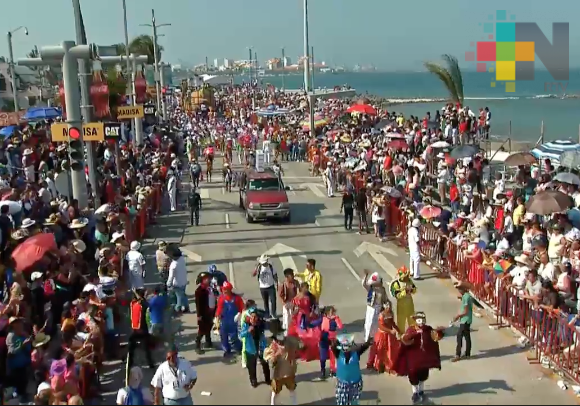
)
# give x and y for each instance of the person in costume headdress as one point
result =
(403, 290)
(349, 383)
(282, 352)
(242, 317)
(419, 354)
(376, 299)
(253, 334)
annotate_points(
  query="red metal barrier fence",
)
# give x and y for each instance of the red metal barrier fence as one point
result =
(551, 333)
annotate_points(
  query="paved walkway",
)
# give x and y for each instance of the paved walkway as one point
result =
(498, 372)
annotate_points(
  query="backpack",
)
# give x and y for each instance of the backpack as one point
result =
(258, 270)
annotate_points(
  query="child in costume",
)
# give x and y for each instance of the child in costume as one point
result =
(283, 354)
(349, 383)
(386, 345)
(403, 290)
(330, 326)
(419, 354)
(376, 299)
(242, 317)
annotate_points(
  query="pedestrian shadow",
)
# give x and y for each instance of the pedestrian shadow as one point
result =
(491, 387)
(370, 397)
(355, 326)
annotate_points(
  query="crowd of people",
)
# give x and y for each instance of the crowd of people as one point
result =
(66, 270)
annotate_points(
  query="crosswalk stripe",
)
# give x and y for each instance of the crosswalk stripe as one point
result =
(351, 269)
(204, 193)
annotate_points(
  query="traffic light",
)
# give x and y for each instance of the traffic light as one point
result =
(76, 150)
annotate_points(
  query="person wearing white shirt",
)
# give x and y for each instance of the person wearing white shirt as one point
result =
(268, 282)
(177, 280)
(136, 265)
(415, 254)
(174, 380)
(172, 190)
(134, 390)
(547, 271)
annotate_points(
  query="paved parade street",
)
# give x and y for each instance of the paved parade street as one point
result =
(497, 373)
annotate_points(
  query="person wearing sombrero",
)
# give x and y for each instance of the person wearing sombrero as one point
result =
(349, 382)
(419, 354)
(18, 362)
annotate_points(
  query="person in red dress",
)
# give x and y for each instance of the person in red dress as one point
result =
(386, 346)
(419, 354)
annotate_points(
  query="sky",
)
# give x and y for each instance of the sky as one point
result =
(394, 36)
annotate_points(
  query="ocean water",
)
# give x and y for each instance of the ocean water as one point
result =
(532, 102)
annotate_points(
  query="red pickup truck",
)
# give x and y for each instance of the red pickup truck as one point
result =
(264, 197)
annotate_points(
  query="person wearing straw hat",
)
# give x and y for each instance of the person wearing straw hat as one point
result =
(136, 265)
(134, 393)
(268, 282)
(19, 347)
(349, 382)
(419, 354)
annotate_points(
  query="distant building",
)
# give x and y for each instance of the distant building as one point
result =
(274, 64)
(228, 63)
(217, 63)
(27, 85)
(286, 62)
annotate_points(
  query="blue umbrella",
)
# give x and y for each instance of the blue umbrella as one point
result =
(42, 113)
(8, 131)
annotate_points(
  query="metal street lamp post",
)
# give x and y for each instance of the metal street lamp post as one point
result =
(155, 26)
(11, 64)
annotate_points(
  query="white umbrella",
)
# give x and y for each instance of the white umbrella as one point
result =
(440, 144)
(13, 207)
(351, 162)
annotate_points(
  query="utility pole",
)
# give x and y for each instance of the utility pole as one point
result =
(312, 68)
(68, 54)
(11, 65)
(250, 64)
(257, 65)
(283, 70)
(86, 107)
(137, 123)
(206, 65)
(307, 84)
(156, 55)
(162, 81)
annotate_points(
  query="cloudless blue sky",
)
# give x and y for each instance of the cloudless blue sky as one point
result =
(388, 34)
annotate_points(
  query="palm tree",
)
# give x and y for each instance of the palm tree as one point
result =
(450, 75)
(141, 45)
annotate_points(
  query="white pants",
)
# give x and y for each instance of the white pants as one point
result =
(266, 150)
(286, 317)
(414, 263)
(371, 322)
(172, 199)
(330, 187)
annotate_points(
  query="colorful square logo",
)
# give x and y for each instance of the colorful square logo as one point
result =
(515, 49)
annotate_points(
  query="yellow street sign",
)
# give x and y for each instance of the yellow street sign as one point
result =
(91, 132)
(127, 112)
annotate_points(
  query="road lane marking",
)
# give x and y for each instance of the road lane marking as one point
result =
(316, 223)
(227, 221)
(232, 276)
(223, 190)
(204, 193)
(314, 188)
(351, 269)
(191, 255)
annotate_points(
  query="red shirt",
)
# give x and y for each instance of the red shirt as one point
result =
(220, 303)
(388, 162)
(453, 193)
(463, 127)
